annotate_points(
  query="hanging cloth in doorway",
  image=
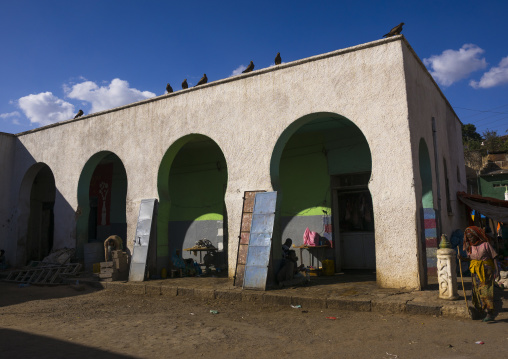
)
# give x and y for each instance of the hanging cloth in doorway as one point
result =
(100, 187)
(327, 225)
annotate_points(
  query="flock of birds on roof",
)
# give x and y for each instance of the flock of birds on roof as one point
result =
(204, 79)
(278, 60)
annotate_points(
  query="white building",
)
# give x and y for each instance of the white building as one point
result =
(361, 138)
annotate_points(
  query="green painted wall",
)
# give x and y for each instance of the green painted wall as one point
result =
(192, 181)
(309, 159)
(349, 155)
(197, 195)
(425, 175)
(118, 193)
(305, 184)
(197, 182)
(493, 185)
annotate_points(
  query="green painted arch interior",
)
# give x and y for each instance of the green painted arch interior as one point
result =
(84, 200)
(425, 175)
(308, 152)
(191, 182)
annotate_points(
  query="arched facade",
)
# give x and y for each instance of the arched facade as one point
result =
(362, 112)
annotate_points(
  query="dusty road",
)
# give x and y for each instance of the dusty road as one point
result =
(59, 322)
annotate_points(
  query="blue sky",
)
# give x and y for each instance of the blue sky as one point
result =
(61, 56)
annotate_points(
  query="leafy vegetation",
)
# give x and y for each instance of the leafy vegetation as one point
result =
(477, 146)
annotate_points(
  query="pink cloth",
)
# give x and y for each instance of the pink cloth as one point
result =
(310, 238)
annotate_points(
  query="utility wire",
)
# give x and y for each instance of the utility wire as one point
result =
(481, 111)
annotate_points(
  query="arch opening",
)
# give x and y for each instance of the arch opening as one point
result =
(428, 240)
(102, 193)
(192, 184)
(36, 216)
(321, 167)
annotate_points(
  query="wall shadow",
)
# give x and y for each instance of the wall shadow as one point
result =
(12, 294)
(18, 344)
(25, 171)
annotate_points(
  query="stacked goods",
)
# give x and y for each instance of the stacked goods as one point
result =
(117, 269)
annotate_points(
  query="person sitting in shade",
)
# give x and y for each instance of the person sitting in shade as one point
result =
(177, 264)
(285, 252)
(286, 247)
(290, 274)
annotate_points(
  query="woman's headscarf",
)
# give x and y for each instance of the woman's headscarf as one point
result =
(478, 235)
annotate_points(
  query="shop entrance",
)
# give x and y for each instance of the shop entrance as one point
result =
(321, 168)
(192, 183)
(102, 193)
(353, 222)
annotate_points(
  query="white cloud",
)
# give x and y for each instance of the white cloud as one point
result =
(14, 114)
(494, 77)
(10, 114)
(452, 66)
(238, 70)
(45, 108)
(117, 93)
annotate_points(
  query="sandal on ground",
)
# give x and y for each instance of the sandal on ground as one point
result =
(488, 318)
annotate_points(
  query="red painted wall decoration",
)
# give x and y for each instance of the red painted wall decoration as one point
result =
(100, 187)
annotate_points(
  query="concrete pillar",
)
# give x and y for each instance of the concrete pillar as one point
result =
(447, 273)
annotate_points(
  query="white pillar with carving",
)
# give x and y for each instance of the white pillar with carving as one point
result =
(447, 273)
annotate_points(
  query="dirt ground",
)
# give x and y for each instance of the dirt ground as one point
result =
(60, 322)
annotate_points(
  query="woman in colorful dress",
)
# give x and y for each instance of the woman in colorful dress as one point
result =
(483, 268)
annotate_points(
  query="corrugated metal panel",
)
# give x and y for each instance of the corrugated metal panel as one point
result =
(243, 245)
(260, 244)
(144, 229)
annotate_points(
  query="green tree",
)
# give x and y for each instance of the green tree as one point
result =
(495, 143)
(471, 139)
(476, 147)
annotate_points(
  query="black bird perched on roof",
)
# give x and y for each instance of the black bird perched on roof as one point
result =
(203, 80)
(278, 60)
(395, 31)
(169, 89)
(79, 114)
(249, 68)
(184, 84)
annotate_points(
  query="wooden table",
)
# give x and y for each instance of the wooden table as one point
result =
(301, 248)
(201, 250)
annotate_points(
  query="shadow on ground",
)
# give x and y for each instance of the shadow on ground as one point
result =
(17, 344)
(13, 293)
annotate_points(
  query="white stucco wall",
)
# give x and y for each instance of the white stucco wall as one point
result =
(426, 101)
(245, 115)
